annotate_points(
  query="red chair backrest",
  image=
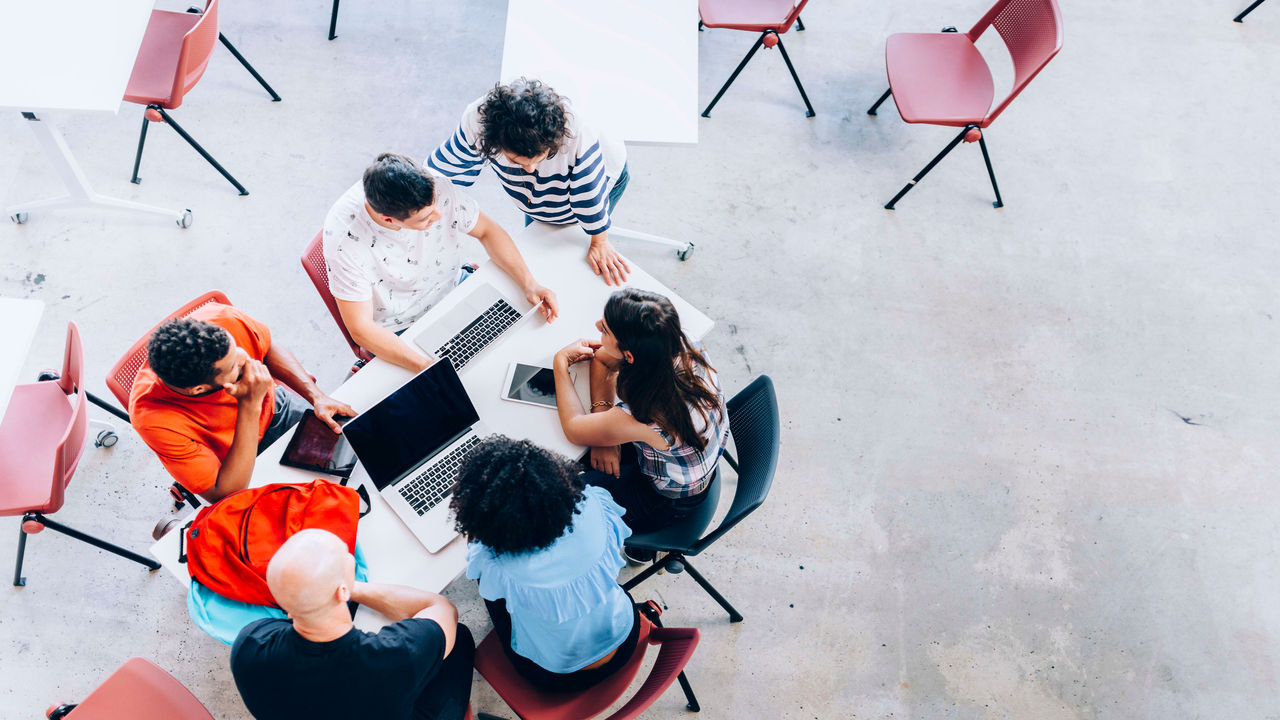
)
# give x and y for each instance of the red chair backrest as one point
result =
(1032, 32)
(71, 445)
(197, 48)
(313, 262)
(120, 377)
(676, 647)
(140, 690)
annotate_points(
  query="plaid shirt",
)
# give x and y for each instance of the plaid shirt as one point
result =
(682, 470)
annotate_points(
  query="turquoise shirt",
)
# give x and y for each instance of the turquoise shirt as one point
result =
(567, 610)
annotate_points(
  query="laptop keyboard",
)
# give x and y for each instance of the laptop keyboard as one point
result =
(426, 489)
(476, 336)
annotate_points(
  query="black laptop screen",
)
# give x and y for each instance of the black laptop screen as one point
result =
(411, 424)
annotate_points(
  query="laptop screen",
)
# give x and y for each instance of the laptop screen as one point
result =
(411, 424)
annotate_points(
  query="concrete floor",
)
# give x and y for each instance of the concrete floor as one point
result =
(1029, 455)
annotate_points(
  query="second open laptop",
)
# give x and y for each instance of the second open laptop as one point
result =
(475, 323)
(412, 444)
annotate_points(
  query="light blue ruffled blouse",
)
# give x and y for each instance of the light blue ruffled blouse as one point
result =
(567, 610)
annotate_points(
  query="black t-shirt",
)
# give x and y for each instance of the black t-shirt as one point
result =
(281, 674)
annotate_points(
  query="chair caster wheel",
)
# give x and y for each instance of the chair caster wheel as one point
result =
(163, 526)
(684, 253)
(106, 438)
(20, 582)
(186, 219)
(18, 218)
(675, 567)
(47, 375)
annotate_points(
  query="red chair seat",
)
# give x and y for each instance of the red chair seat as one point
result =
(157, 62)
(140, 690)
(939, 79)
(33, 426)
(752, 15)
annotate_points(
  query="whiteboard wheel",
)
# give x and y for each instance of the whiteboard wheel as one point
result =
(684, 253)
(186, 219)
(18, 218)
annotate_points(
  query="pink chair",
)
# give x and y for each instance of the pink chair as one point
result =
(41, 437)
(175, 51)
(313, 262)
(676, 646)
(139, 690)
(770, 18)
(942, 79)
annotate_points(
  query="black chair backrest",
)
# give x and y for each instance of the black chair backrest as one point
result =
(756, 430)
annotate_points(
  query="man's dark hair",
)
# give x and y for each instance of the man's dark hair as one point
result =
(182, 351)
(395, 185)
(514, 496)
(525, 118)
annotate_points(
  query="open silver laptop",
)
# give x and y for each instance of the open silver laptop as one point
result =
(412, 444)
(475, 323)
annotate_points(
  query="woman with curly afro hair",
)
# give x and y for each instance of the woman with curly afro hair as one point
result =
(546, 550)
(555, 167)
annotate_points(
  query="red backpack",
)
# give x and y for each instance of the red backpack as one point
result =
(231, 541)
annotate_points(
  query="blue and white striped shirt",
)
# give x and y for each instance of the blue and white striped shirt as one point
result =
(571, 187)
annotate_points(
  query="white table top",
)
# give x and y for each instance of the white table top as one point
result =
(18, 322)
(630, 66)
(69, 54)
(556, 255)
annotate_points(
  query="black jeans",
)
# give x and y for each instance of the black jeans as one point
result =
(646, 510)
(544, 679)
(448, 694)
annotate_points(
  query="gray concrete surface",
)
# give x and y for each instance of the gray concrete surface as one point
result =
(1029, 454)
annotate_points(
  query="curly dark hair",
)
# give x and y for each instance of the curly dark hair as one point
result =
(514, 496)
(182, 351)
(395, 185)
(525, 118)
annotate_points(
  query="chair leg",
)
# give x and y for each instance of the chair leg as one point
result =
(1240, 18)
(787, 59)
(691, 700)
(651, 570)
(734, 615)
(142, 139)
(759, 41)
(919, 176)
(100, 544)
(982, 143)
(227, 43)
(192, 142)
(799, 24)
(883, 97)
(107, 406)
(18, 580)
(333, 21)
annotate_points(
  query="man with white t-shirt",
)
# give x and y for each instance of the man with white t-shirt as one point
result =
(392, 244)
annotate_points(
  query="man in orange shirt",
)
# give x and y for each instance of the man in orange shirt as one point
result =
(212, 395)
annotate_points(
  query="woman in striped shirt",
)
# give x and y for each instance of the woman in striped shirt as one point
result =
(656, 449)
(556, 168)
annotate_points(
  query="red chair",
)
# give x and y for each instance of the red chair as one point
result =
(676, 647)
(139, 690)
(42, 436)
(313, 262)
(770, 18)
(1239, 18)
(942, 79)
(121, 375)
(175, 51)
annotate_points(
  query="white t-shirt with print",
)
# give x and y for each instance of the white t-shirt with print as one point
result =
(403, 271)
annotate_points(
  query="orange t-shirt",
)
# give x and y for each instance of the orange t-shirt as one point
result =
(193, 434)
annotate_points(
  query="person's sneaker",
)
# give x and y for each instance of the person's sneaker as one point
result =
(636, 556)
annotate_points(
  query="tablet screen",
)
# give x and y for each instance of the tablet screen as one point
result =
(316, 447)
(532, 384)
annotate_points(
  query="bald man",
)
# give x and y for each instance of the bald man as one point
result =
(318, 665)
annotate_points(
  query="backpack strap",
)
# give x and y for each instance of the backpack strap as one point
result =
(182, 542)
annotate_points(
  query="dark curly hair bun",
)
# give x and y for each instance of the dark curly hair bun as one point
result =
(514, 496)
(525, 118)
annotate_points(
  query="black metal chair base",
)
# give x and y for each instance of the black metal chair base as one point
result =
(168, 119)
(785, 58)
(227, 44)
(650, 611)
(986, 157)
(676, 562)
(333, 21)
(1240, 18)
(19, 580)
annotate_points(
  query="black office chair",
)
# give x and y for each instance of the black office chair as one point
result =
(753, 422)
